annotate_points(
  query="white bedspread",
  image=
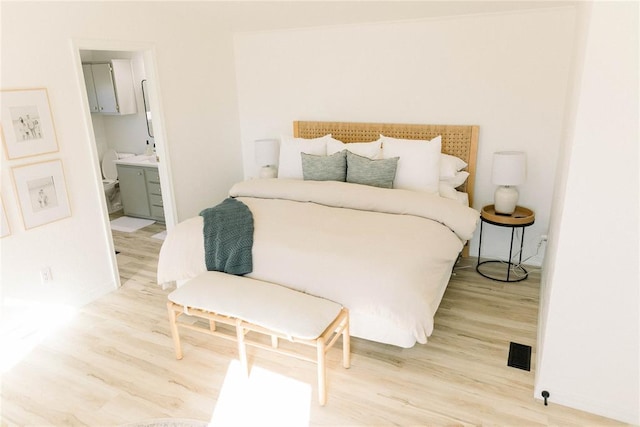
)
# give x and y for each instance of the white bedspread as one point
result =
(386, 255)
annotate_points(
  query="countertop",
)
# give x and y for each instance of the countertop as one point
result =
(140, 160)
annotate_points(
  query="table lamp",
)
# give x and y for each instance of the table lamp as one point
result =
(509, 170)
(266, 156)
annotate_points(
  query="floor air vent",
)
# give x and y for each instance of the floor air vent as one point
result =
(519, 356)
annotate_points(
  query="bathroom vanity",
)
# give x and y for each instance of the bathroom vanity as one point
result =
(140, 187)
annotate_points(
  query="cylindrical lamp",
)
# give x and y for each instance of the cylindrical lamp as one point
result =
(509, 170)
(266, 156)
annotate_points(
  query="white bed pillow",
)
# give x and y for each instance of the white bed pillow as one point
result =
(290, 161)
(449, 192)
(371, 150)
(448, 187)
(449, 165)
(457, 180)
(419, 163)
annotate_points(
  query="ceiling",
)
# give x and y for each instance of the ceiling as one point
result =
(270, 15)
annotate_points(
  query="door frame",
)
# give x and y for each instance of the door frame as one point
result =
(160, 138)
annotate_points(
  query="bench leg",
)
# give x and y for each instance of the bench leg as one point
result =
(242, 347)
(346, 345)
(322, 372)
(174, 330)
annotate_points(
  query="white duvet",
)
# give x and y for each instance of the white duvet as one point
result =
(386, 255)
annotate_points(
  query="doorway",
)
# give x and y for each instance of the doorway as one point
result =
(128, 135)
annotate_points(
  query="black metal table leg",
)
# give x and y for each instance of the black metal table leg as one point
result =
(509, 262)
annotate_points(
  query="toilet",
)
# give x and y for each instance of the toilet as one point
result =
(110, 181)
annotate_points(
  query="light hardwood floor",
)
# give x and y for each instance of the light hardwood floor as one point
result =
(114, 364)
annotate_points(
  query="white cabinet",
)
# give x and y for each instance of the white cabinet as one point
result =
(110, 87)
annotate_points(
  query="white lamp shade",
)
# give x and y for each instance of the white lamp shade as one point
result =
(509, 168)
(266, 152)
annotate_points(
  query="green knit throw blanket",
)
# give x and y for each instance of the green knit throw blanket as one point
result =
(228, 237)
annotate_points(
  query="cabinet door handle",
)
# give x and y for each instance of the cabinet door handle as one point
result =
(139, 173)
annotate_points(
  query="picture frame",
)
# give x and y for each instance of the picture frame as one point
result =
(5, 230)
(42, 192)
(27, 124)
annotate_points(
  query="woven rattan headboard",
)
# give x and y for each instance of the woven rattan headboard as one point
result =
(458, 140)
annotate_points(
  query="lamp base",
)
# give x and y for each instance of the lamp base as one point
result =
(268, 172)
(505, 200)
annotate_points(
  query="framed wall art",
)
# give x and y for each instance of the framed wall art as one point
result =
(42, 192)
(27, 125)
(4, 223)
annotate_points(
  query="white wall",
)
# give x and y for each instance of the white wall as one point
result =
(506, 72)
(195, 78)
(588, 354)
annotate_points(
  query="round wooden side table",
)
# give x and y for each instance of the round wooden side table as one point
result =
(521, 218)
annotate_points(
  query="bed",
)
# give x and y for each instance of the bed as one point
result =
(384, 253)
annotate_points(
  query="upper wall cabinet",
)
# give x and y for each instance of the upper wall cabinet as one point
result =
(110, 87)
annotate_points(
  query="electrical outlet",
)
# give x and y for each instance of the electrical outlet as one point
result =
(45, 275)
(542, 239)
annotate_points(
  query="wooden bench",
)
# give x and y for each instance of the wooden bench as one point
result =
(266, 308)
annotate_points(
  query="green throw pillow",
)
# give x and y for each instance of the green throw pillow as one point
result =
(324, 168)
(377, 173)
